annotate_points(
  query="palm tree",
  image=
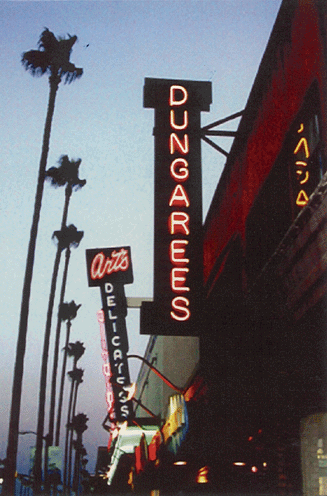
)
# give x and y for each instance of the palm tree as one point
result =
(67, 312)
(76, 376)
(72, 239)
(65, 174)
(76, 350)
(52, 58)
(77, 379)
(79, 426)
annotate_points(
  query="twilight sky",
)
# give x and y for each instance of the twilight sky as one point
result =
(100, 119)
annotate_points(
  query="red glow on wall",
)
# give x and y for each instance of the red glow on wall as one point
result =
(290, 71)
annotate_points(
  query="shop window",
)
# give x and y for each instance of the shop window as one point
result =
(287, 189)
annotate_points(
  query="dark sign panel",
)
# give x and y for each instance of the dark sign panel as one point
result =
(109, 265)
(111, 268)
(178, 260)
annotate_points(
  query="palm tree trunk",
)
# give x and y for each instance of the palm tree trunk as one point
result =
(45, 356)
(56, 350)
(12, 447)
(62, 384)
(70, 451)
(68, 426)
(77, 463)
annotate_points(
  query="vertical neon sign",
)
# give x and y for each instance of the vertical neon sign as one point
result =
(178, 263)
(110, 269)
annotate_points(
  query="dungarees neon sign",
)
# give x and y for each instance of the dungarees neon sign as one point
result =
(178, 222)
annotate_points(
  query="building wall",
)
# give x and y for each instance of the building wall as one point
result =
(176, 357)
(295, 58)
(264, 353)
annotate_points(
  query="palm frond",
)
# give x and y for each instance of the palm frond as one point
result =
(71, 72)
(76, 350)
(79, 423)
(52, 57)
(68, 311)
(66, 173)
(48, 42)
(68, 237)
(36, 62)
(55, 176)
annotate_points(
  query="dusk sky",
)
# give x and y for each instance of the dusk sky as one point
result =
(100, 118)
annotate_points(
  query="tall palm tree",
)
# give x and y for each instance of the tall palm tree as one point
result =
(75, 237)
(52, 58)
(76, 350)
(67, 312)
(76, 376)
(65, 174)
(79, 426)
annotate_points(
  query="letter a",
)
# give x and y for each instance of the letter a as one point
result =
(179, 197)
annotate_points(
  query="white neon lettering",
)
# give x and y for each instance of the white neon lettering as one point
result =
(117, 355)
(116, 341)
(179, 223)
(179, 197)
(179, 170)
(111, 301)
(124, 410)
(175, 143)
(178, 278)
(179, 304)
(108, 287)
(178, 126)
(177, 251)
(121, 380)
(172, 95)
(112, 317)
(102, 266)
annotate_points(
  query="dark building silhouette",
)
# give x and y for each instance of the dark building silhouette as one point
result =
(265, 265)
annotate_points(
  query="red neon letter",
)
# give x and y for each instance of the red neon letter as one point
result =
(178, 169)
(172, 95)
(179, 223)
(177, 126)
(177, 278)
(177, 251)
(179, 197)
(180, 303)
(181, 147)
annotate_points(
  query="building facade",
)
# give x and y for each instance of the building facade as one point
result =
(265, 265)
(250, 412)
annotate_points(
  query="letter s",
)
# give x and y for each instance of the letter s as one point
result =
(180, 303)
